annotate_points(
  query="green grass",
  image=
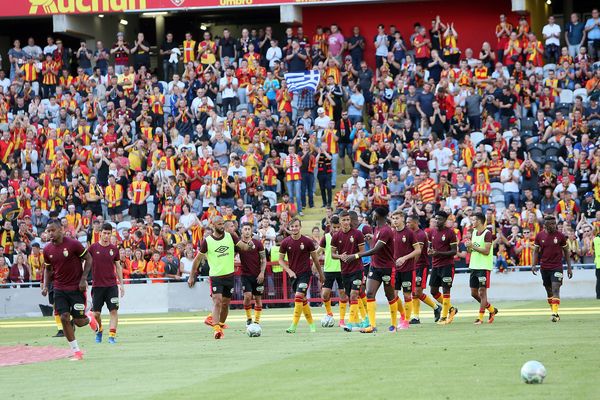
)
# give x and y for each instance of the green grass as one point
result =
(180, 360)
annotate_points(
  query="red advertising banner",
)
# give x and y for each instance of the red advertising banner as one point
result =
(26, 8)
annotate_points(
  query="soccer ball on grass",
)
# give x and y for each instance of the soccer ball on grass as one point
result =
(327, 321)
(254, 330)
(533, 372)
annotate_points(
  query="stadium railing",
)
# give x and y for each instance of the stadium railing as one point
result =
(277, 289)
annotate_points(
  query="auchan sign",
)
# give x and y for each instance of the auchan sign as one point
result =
(23, 8)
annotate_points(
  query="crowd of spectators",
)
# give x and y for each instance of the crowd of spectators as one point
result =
(510, 129)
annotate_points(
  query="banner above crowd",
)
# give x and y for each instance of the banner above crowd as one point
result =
(24, 8)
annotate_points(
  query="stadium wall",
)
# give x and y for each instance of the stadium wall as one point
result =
(475, 22)
(159, 298)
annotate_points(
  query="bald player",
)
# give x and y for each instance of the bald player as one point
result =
(219, 250)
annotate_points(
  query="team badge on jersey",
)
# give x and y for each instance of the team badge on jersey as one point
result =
(555, 241)
(404, 239)
(352, 239)
(301, 246)
(111, 253)
(65, 252)
(443, 238)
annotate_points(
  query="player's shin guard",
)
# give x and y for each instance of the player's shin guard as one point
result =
(481, 313)
(307, 313)
(445, 305)
(393, 312)
(343, 305)
(551, 302)
(438, 297)
(490, 308)
(363, 299)
(371, 311)
(416, 307)
(297, 310)
(248, 310)
(112, 332)
(328, 307)
(257, 312)
(354, 312)
(427, 300)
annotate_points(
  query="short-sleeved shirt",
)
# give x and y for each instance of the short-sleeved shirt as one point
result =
(104, 272)
(421, 237)
(404, 244)
(65, 260)
(250, 259)
(349, 243)
(384, 258)
(550, 246)
(298, 253)
(442, 240)
(425, 100)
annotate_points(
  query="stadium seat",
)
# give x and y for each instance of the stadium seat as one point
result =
(272, 196)
(527, 123)
(566, 96)
(477, 137)
(497, 186)
(507, 135)
(581, 92)
(158, 222)
(551, 152)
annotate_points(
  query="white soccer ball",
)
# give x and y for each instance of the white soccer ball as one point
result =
(254, 330)
(533, 372)
(327, 321)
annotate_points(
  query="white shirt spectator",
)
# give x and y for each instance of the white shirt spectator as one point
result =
(208, 198)
(188, 220)
(240, 172)
(560, 188)
(50, 49)
(510, 186)
(321, 123)
(552, 32)
(453, 203)
(198, 101)
(443, 158)
(359, 181)
(525, 213)
(273, 54)
(382, 48)
(180, 84)
(354, 199)
(228, 92)
(33, 51)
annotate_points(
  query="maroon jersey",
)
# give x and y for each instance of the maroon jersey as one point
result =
(384, 258)
(104, 272)
(421, 236)
(349, 242)
(65, 260)
(298, 253)
(442, 240)
(404, 244)
(250, 259)
(550, 246)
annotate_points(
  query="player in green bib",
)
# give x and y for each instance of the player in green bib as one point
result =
(219, 250)
(596, 247)
(481, 265)
(333, 273)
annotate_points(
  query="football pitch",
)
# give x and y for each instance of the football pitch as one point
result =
(173, 356)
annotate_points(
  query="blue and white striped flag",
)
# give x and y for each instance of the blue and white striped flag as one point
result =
(298, 81)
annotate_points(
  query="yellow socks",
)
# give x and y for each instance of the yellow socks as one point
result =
(372, 310)
(248, 310)
(343, 305)
(112, 332)
(481, 312)
(445, 305)
(328, 307)
(555, 304)
(408, 308)
(297, 310)
(416, 307)
(490, 308)
(362, 307)
(438, 297)
(427, 300)
(257, 312)
(551, 302)
(353, 312)
(57, 322)
(307, 313)
(393, 311)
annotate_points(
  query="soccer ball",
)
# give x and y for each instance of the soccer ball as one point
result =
(533, 372)
(254, 330)
(327, 321)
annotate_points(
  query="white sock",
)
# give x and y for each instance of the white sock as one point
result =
(74, 346)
